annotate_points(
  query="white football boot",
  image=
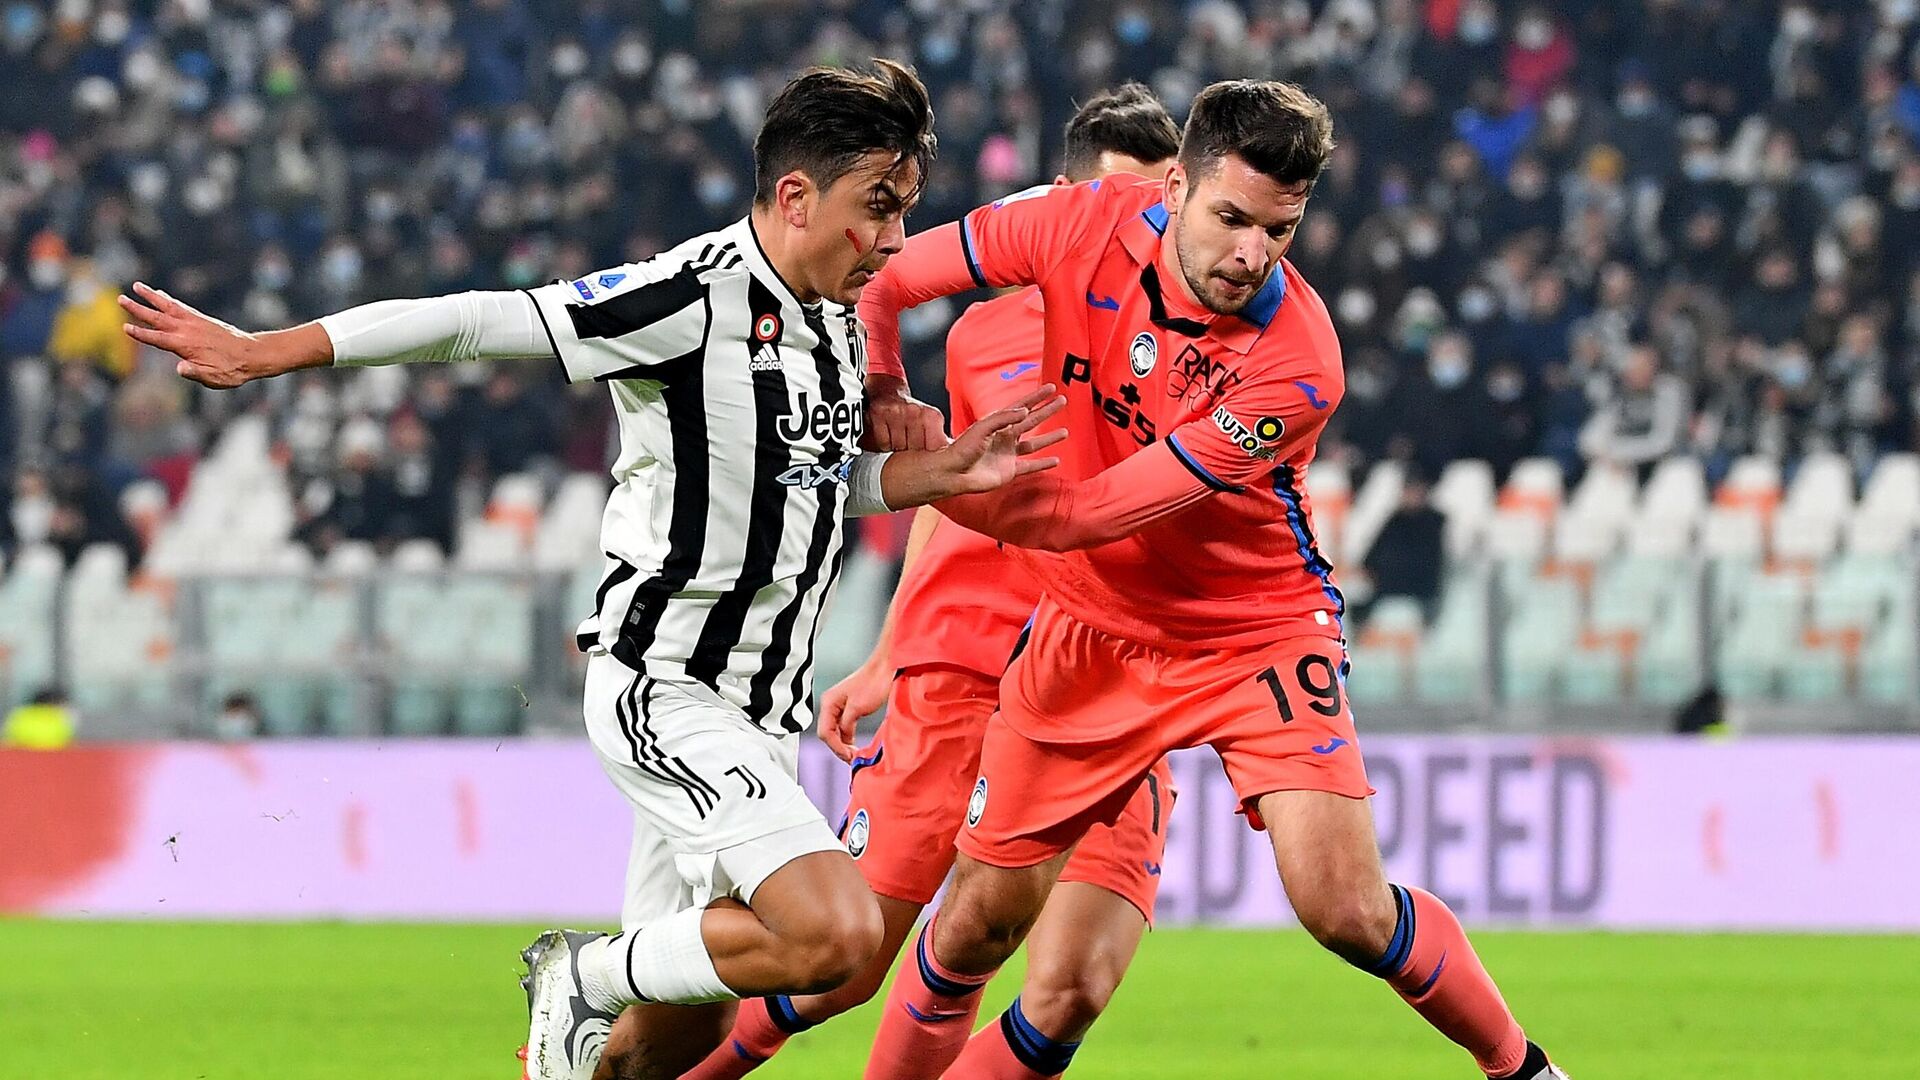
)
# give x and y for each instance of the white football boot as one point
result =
(565, 1033)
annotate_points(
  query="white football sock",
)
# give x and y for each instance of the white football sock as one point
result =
(665, 961)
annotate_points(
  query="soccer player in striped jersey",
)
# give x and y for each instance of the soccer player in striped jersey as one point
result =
(954, 622)
(1186, 600)
(736, 367)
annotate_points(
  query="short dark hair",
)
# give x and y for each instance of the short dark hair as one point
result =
(1127, 120)
(1276, 127)
(827, 119)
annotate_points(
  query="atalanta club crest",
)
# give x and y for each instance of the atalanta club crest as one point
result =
(1142, 354)
(857, 834)
(766, 328)
(977, 805)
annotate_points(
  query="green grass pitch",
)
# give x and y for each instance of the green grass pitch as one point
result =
(183, 1001)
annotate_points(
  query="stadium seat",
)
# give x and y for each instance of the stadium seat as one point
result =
(1451, 663)
(27, 621)
(1465, 493)
(1541, 631)
(1892, 492)
(1732, 533)
(1669, 669)
(1535, 486)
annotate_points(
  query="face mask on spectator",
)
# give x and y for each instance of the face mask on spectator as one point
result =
(1792, 371)
(1504, 386)
(939, 48)
(1478, 25)
(341, 268)
(112, 27)
(1133, 27)
(141, 70)
(1533, 33)
(1636, 100)
(1356, 307)
(1448, 370)
(631, 58)
(46, 274)
(23, 26)
(1423, 238)
(272, 275)
(569, 60)
(1700, 165)
(1476, 305)
(1898, 12)
(716, 190)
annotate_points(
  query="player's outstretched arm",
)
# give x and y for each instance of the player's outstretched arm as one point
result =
(465, 326)
(997, 450)
(1046, 513)
(862, 693)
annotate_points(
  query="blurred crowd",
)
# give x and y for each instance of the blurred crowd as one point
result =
(1598, 231)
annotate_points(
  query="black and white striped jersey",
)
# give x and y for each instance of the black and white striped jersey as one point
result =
(740, 414)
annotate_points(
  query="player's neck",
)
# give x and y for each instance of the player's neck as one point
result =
(1180, 294)
(776, 243)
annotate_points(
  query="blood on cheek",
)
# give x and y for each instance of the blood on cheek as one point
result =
(855, 241)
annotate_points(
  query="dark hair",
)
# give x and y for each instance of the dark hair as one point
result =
(1276, 127)
(1128, 120)
(826, 119)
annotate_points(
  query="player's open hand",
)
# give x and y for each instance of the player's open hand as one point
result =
(212, 353)
(896, 420)
(842, 707)
(999, 447)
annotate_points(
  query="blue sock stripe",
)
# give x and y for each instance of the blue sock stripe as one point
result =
(1401, 944)
(1433, 978)
(785, 1017)
(1032, 1046)
(935, 981)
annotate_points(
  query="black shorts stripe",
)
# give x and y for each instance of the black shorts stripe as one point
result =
(766, 507)
(656, 761)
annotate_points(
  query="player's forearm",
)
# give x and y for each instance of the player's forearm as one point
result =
(436, 330)
(293, 349)
(1046, 513)
(932, 265)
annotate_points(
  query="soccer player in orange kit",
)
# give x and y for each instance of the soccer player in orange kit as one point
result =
(1186, 602)
(954, 622)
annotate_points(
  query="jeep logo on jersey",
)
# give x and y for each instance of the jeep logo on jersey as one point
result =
(977, 805)
(1198, 379)
(1253, 439)
(857, 834)
(811, 475)
(1142, 353)
(840, 422)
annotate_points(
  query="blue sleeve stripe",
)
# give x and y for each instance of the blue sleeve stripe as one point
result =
(1198, 469)
(966, 249)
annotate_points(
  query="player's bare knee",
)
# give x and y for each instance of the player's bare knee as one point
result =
(1349, 924)
(836, 947)
(1064, 1000)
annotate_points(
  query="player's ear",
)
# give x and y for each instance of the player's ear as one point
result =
(1173, 187)
(793, 195)
(1060, 180)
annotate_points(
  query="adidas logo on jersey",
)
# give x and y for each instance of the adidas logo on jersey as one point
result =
(767, 358)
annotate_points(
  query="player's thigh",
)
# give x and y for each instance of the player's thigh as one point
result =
(909, 786)
(1124, 858)
(1329, 861)
(661, 1042)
